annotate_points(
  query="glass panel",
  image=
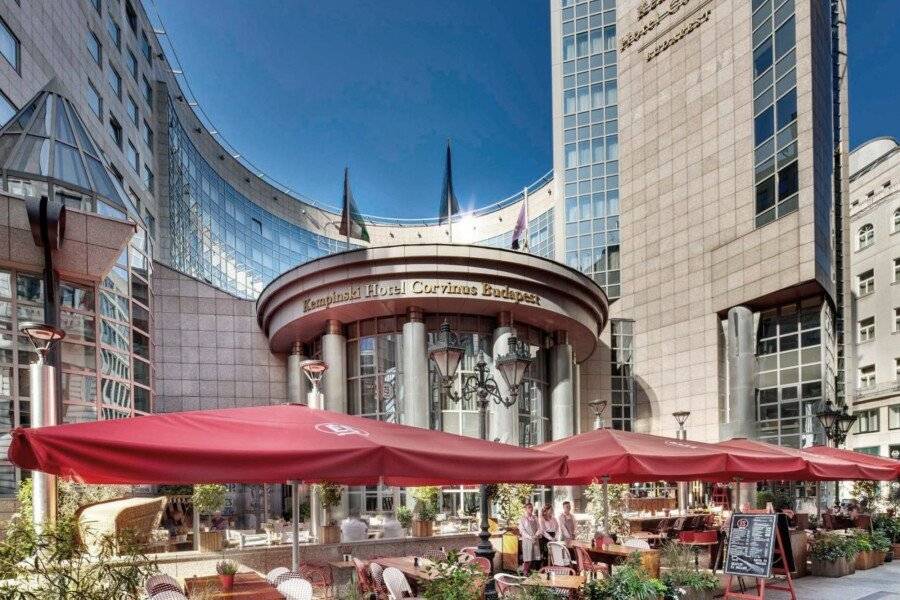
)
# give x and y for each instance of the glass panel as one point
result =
(78, 327)
(115, 335)
(79, 388)
(34, 156)
(78, 356)
(67, 166)
(115, 393)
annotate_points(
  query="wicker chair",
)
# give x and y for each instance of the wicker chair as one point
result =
(559, 554)
(585, 563)
(140, 516)
(483, 564)
(507, 586)
(560, 592)
(365, 587)
(377, 571)
(169, 595)
(296, 589)
(285, 576)
(397, 585)
(273, 575)
(320, 578)
(161, 583)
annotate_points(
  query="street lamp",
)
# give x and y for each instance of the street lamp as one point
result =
(599, 407)
(43, 413)
(837, 424)
(827, 417)
(447, 354)
(314, 370)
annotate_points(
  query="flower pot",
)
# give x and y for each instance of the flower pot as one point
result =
(866, 560)
(832, 568)
(227, 582)
(211, 541)
(422, 528)
(329, 534)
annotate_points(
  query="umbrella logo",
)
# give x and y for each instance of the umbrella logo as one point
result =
(340, 430)
(680, 444)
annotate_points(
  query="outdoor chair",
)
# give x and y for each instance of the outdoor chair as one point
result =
(286, 576)
(296, 589)
(169, 595)
(320, 578)
(273, 575)
(161, 583)
(470, 550)
(138, 515)
(559, 554)
(506, 584)
(377, 571)
(637, 544)
(483, 564)
(397, 585)
(557, 570)
(364, 584)
(586, 564)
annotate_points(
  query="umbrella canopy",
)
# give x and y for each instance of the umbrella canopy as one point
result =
(818, 467)
(857, 457)
(627, 457)
(272, 444)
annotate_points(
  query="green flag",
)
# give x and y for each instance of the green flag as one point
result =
(352, 223)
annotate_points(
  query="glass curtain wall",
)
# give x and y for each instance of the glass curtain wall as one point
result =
(591, 138)
(622, 369)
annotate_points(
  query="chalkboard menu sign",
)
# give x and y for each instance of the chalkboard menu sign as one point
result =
(751, 539)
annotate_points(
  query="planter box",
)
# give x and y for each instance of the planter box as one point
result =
(896, 548)
(211, 541)
(329, 534)
(867, 560)
(422, 528)
(698, 594)
(837, 568)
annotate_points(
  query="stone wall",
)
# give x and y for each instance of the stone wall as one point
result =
(209, 351)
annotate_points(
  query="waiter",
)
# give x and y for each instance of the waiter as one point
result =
(529, 533)
(566, 531)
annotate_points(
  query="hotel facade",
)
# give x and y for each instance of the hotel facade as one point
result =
(687, 250)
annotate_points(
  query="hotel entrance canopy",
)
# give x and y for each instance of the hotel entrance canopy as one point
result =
(272, 444)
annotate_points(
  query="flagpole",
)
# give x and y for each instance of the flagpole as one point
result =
(527, 231)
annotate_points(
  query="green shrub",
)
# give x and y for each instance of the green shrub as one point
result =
(880, 542)
(226, 567)
(888, 525)
(426, 506)
(453, 580)
(630, 581)
(329, 495)
(831, 547)
(682, 574)
(404, 516)
(209, 498)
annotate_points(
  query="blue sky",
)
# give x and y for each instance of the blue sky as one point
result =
(303, 88)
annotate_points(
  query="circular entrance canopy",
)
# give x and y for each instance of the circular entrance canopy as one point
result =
(437, 278)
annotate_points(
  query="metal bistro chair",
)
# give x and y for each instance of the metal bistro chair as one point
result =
(483, 564)
(364, 584)
(559, 554)
(296, 589)
(319, 576)
(161, 583)
(397, 585)
(506, 584)
(377, 572)
(586, 564)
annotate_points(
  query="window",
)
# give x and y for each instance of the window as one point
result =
(866, 236)
(94, 100)
(870, 450)
(7, 108)
(867, 330)
(897, 221)
(257, 225)
(897, 320)
(146, 50)
(95, 47)
(894, 416)
(132, 109)
(131, 17)
(115, 131)
(96, 4)
(867, 377)
(148, 135)
(868, 421)
(131, 62)
(897, 270)
(148, 92)
(150, 220)
(148, 178)
(897, 369)
(114, 31)
(865, 282)
(115, 81)
(133, 157)
(9, 45)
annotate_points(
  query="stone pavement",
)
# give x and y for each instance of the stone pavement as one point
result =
(881, 583)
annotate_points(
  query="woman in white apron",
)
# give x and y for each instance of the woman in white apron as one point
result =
(529, 535)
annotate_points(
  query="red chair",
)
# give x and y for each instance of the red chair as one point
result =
(377, 572)
(364, 584)
(602, 540)
(320, 578)
(470, 550)
(686, 536)
(585, 564)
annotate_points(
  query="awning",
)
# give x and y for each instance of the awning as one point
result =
(857, 457)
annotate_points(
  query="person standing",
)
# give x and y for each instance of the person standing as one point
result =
(548, 528)
(529, 533)
(566, 532)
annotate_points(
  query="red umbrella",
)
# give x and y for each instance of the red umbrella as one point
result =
(857, 457)
(269, 444)
(626, 457)
(818, 467)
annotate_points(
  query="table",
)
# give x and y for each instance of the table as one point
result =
(696, 547)
(614, 554)
(406, 566)
(568, 582)
(246, 586)
(648, 536)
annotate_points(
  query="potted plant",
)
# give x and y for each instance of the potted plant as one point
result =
(681, 579)
(425, 510)
(865, 551)
(833, 555)
(630, 581)
(208, 498)
(226, 570)
(404, 517)
(329, 495)
(881, 545)
(889, 525)
(451, 579)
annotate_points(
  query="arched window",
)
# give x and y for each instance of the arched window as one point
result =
(866, 236)
(897, 220)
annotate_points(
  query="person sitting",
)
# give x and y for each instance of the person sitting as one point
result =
(354, 529)
(391, 527)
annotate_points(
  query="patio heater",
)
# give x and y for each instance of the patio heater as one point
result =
(836, 423)
(43, 413)
(314, 371)
(599, 407)
(681, 417)
(447, 353)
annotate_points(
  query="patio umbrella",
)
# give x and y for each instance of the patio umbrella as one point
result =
(272, 444)
(819, 466)
(625, 457)
(857, 457)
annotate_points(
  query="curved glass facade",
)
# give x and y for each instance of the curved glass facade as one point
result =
(221, 236)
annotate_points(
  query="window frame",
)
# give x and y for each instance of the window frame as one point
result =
(868, 416)
(97, 93)
(17, 65)
(865, 283)
(865, 236)
(893, 409)
(117, 39)
(135, 164)
(864, 325)
(111, 70)
(866, 378)
(98, 58)
(114, 128)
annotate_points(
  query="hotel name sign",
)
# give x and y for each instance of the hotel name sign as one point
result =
(670, 8)
(418, 287)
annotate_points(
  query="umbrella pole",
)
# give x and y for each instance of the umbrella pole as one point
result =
(606, 504)
(295, 525)
(737, 495)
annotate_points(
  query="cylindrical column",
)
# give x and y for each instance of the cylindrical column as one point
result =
(562, 402)
(43, 414)
(296, 380)
(505, 422)
(683, 500)
(295, 525)
(415, 370)
(741, 348)
(334, 382)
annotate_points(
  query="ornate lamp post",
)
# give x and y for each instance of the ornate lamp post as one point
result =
(837, 424)
(42, 377)
(447, 353)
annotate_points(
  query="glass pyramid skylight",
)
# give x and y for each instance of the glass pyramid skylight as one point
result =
(47, 141)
